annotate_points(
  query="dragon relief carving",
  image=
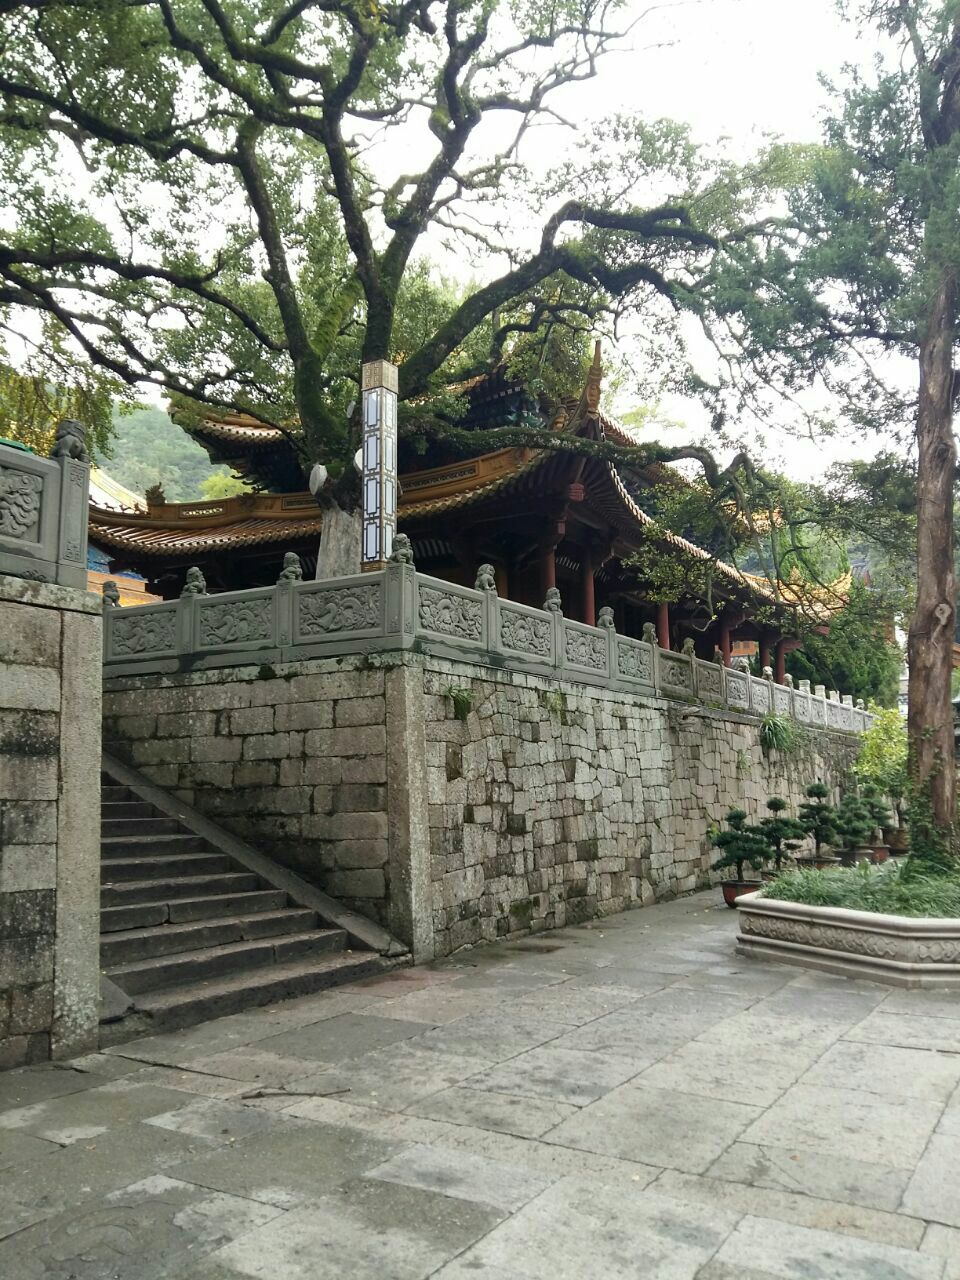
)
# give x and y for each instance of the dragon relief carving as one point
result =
(134, 631)
(450, 615)
(585, 650)
(347, 609)
(709, 680)
(19, 504)
(635, 663)
(525, 634)
(738, 690)
(675, 673)
(236, 622)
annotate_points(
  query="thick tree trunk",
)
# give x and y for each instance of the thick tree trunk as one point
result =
(339, 555)
(930, 645)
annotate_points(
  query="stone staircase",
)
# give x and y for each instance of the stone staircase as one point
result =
(195, 924)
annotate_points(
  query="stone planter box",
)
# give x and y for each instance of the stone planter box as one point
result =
(899, 950)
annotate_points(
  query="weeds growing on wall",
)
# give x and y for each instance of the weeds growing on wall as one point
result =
(462, 700)
(779, 733)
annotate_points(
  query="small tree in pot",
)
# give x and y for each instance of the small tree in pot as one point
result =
(817, 816)
(881, 818)
(782, 832)
(854, 825)
(740, 845)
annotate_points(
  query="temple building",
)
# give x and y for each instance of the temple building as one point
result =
(542, 517)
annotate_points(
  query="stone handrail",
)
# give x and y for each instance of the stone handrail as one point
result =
(43, 510)
(399, 608)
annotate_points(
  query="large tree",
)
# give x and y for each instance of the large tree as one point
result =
(228, 199)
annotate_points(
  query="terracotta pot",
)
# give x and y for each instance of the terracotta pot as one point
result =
(732, 889)
(880, 853)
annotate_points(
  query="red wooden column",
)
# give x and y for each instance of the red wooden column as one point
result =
(588, 600)
(780, 662)
(663, 625)
(764, 653)
(726, 643)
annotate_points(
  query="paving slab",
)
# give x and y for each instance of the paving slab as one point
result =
(889, 1130)
(82, 1117)
(345, 1036)
(494, 1035)
(465, 1177)
(881, 1068)
(562, 1075)
(392, 1077)
(802, 1253)
(821, 1174)
(934, 1190)
(377, 1229)
(291, 1162)
(656, 1127)
(578, 1229)
(909, 1031)
(140, 1232)
(502, 1112)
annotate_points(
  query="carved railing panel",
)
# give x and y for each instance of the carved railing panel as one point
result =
(146, 631)
(43, 511)
(525, 632)
(709, 681)
(782, 700)
(675, 674)
(454, 612)
(338, 609)
(246, 620)
(585, 648)
(737, 689)
(634, 661)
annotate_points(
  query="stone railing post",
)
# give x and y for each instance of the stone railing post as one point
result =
(70, 451)
(400, 587)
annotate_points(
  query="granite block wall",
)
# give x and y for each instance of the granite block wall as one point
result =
(453, 802)
(50, 677)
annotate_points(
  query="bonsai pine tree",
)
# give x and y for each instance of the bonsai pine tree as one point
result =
(876, 806)
(854, 824)
(782, 831)
(740, 844)
(817, 816)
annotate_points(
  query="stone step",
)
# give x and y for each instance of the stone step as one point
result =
(130, 891)
(162, 867)
(166, 939)
(142, 915)
(170, 1009)
(139, 826)
(111, 793)
(142, 846)
(126, 809)
(222, 961)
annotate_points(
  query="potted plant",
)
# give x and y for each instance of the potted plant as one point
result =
(854, 825)
(740, 845)
(882, 764)
(816, 818)
(782, 832)
(881, 817)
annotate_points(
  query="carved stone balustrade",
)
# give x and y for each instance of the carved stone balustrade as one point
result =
(399, 608)
(43, 511)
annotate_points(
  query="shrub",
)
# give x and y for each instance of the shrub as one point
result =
(897, 889)
(817, 816)
(882, 759)
(783, 832)
(740, 844)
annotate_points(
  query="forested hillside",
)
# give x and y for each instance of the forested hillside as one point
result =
(148, 449)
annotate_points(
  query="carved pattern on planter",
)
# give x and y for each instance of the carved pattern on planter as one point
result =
(676, 673)
(738, 690)
(343, 609)
(524, 633)
(856, 941)
(635, 661)
(710, 680)
(585, 650)
(19, 504)
(134, 632)
(451, 615)
(236, 622)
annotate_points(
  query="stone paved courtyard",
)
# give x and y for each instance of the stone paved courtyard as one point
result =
(624, 1099)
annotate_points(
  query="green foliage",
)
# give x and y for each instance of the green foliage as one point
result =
(892, 888)
(779, 733)
(31, 404)
(740, 844)
(149, 449)
(817, 816)
(882, 759)
(853, 822)
(222, 484)
(857, 654)
(782, 832)
(462, 700)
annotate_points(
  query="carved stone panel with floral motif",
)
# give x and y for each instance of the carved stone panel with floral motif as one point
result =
(738, 690)
(582, 649)
(710, 681)
(675, 672)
